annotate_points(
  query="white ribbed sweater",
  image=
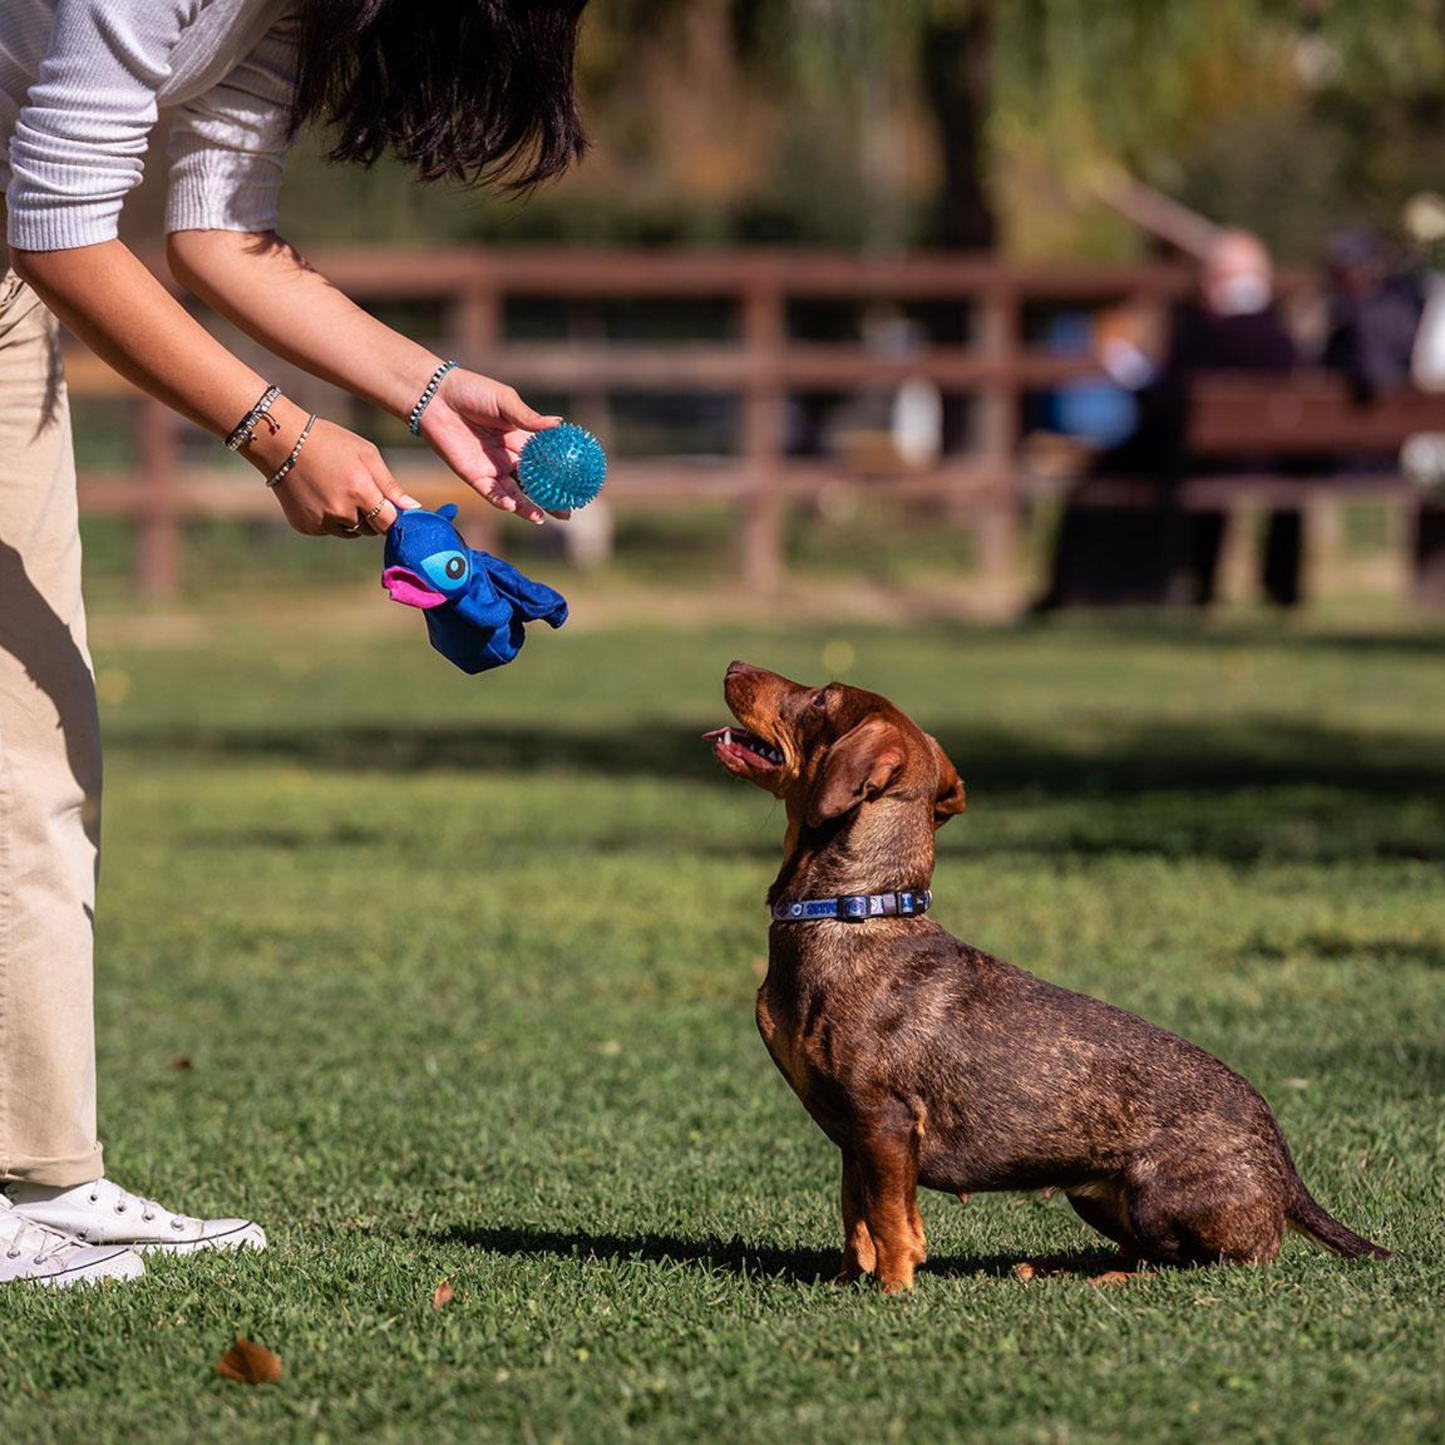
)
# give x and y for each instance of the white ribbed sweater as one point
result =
(82, 82)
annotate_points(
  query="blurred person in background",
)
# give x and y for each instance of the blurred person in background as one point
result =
(1119, 555)
(1422, 219)
(473, 91)
(1375, 304)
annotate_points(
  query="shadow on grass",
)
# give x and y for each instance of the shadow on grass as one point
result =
(1265, 752)
(1239, 792)
(735, 1256)
(1386, 951)
(1199, 632)
(1397, 1068)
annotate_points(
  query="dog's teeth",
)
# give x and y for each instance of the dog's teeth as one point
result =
(726, 737)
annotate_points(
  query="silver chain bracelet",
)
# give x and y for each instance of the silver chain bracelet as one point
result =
(295, 452)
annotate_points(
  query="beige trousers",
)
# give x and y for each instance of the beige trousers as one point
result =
(49, 770)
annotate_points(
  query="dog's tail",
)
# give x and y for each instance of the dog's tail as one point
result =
(1306, 1215)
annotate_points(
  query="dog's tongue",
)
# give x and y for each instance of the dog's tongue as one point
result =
(739, 744)
(726, 736)
(405, 586)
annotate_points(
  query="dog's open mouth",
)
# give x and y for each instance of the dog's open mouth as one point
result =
(738, 750)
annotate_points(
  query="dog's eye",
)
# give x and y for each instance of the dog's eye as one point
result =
(820, 700)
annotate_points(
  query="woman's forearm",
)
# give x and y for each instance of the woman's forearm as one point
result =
(265, 287)
(476, 425)
(128, 318)
(122, 312)
(334, 479)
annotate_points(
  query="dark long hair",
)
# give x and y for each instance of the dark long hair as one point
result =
(476, 91)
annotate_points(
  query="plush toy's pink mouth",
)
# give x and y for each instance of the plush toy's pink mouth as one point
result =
(405, 586)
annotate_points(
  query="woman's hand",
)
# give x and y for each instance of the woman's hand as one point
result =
(478, 427)
(339, 485)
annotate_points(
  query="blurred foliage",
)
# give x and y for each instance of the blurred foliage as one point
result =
(838, 123)
(1290, 118)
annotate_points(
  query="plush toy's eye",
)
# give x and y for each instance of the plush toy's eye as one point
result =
(447, 570)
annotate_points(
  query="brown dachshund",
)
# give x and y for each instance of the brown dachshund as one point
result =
(928, 1062)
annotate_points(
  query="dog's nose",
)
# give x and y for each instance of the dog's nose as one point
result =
(734, 668)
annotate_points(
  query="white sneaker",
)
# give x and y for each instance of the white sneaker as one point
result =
(103, 1213)
(31, 1252)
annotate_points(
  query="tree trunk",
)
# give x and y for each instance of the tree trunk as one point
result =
(955, 68)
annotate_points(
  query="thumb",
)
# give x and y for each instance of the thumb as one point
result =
(398, 499)
(516, 413)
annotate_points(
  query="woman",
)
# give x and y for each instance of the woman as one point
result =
(477, 91)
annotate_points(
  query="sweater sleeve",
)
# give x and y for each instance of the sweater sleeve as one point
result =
(228, 146)
(79, 142)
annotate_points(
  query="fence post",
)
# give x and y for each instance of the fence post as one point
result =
(764, 335)
(591, 405)
(158, 540)
(480, 325)
(998, 430)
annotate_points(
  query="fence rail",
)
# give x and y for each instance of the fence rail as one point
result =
(762, 362)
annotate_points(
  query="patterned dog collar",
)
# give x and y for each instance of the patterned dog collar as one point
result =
(855, 907)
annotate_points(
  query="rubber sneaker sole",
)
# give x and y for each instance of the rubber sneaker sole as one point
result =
(245, 1235)
(88, 1265)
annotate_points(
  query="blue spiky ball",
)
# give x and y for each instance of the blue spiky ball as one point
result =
(562, 468)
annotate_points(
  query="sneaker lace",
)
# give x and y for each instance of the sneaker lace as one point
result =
(122, 1200)
(19, 1235)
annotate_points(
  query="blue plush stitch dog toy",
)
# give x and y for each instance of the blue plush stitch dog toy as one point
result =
(475, 604)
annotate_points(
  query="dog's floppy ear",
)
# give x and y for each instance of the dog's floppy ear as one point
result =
(950, 798)
(859, 766)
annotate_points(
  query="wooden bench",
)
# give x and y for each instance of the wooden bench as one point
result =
(1256, 444)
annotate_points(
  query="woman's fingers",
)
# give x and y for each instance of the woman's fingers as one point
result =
(515, 440)
(393, 501)
(341, 487)
(504, 494)
(486, 403)
(493, 456)
(383, 502)
(478, 427)
(514, 414)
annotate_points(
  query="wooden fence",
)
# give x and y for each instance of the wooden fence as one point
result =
(758, 357)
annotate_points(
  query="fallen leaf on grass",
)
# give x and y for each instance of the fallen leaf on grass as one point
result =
(249, 1364)
(1023, 1270)
(182, 1062)
(1111, 1277)
(442, 1295)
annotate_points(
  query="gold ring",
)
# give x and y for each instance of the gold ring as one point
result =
(369, 515)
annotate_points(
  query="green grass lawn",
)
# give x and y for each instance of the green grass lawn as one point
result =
(451, 979)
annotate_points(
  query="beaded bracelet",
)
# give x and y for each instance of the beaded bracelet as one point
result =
(424, 400)
(245, 429)
(295, 452)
